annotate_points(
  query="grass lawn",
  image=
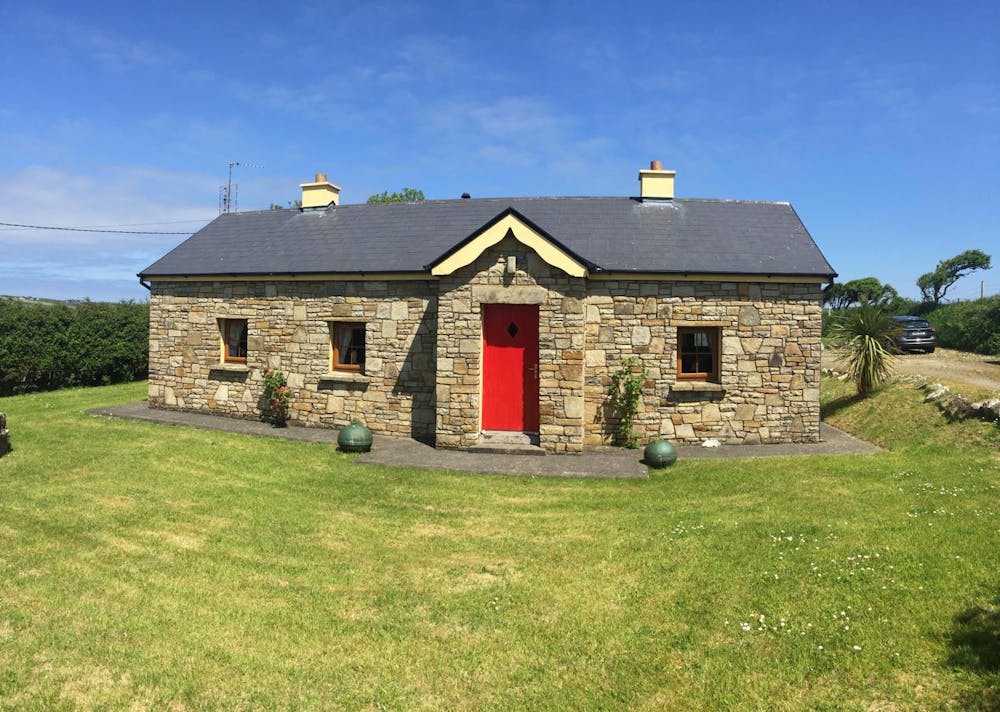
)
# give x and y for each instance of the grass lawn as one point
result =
(150, 567)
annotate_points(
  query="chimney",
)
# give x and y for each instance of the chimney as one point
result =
(319, 194)
(656, 183)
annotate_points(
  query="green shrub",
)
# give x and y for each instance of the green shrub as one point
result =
(863, 332)
(625, 392)
(969, 326)
(44, 347)
(966, 326)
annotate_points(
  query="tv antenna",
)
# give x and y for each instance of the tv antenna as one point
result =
(228, 193)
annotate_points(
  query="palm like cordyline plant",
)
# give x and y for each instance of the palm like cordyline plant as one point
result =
(866, 334)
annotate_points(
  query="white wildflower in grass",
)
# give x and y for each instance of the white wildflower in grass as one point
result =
(745, 627)
(857, 647)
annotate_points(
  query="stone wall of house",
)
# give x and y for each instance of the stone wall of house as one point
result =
(770, 361)
(561, 325)
(289, 330)
(424, 352)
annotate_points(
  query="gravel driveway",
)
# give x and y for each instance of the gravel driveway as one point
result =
(956, 369)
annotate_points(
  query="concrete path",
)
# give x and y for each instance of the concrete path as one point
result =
(403, 452)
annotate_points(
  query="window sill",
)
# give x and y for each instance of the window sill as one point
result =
(231, 367)
(698, 387)
(346, 377)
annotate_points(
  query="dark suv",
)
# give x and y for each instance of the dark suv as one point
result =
(914, 333)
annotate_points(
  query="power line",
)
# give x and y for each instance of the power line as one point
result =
(89, 229)
(158, 222)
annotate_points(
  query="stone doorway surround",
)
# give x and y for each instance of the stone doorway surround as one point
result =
(561, 325)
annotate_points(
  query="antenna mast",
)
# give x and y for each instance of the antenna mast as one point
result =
(229, 192)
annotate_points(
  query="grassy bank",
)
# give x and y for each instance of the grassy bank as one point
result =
(146, 566)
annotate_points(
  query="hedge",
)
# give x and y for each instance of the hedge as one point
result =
(44, 347)
(968, 326)
(972, 326)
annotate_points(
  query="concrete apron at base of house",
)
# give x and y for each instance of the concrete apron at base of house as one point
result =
(603, 462)
(508, 442)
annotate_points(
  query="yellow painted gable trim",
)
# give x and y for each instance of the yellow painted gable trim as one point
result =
(523, 233)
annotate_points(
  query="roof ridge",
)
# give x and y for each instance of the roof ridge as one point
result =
(498, 199)
(734, 200)
(501, 199)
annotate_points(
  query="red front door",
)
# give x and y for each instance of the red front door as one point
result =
(510, 367)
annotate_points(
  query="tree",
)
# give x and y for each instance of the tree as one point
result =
(934, 285)
(840, 296)
(874, 292)
(866, 334)
(407, 195)
(835, 295)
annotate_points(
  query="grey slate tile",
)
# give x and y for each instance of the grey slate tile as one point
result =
(613, 234)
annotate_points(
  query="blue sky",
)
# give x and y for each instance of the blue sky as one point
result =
(879, 122)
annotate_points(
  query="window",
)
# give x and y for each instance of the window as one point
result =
(698, 353)
(234, 340)
(348, 340)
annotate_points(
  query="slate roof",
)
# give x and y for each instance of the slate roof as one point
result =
(608, 234)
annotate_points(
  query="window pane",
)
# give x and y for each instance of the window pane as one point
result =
(343, 343)
(696, 352)
(358, 345)
(236, 338)
(350, 344)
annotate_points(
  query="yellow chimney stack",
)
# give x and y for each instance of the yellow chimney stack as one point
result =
(320, 194)
(656, 183)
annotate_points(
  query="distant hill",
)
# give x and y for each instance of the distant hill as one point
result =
(42, 301)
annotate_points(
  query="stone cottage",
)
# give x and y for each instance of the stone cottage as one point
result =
(445, 320)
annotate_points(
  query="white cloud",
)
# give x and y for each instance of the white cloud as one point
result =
(111, 50)
(124, 195)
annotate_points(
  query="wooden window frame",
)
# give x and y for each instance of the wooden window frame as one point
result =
(224, 333)
(715, 341)
(335, 327)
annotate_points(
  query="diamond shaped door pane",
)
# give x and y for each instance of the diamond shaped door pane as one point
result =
(512, 329)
